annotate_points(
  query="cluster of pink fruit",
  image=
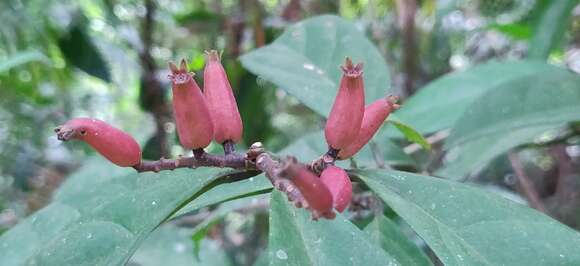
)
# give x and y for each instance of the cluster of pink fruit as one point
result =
(350, 126)
(212, 114)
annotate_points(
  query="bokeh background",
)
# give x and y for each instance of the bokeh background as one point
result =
(108, 59)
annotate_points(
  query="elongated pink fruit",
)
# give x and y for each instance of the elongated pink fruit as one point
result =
(115, 145)
(222, 103)
(314, 191)
(192, 116)
(345, 118)
(337, 181)
(374, 116)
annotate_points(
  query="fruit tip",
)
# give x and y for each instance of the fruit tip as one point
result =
(183, 65)
(351, 70)
(213, 55)
(173, 67)
(393, 101)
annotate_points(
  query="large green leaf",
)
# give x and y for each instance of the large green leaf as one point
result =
(105, 224)
(170, 245)
(504, 119)
(552, 98)
(386, 233)
(473, 155)
(83, 178)
(297, 240)
(550, 27)
(465, 225)
(439, 104)
(304, 61)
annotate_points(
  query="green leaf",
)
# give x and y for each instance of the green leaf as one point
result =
(547, 99)
(170, 245)
(105, 224)
(83, 178)
(518, 31)
(439, 104)
(20, 58)
(297, 240)
(465, 225)
(506, 118)
(386, 234)
(473, 155)
(304, 61)
(80, 51)
(410, 133)
(550, 28)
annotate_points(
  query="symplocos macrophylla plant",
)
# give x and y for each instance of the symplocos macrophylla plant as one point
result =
(212, 114)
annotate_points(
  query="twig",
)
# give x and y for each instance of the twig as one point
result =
(526, 185)
(152, 98)
(406, 10)
(279, 171)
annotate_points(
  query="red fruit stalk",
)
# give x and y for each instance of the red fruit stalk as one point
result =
(222, 104)
(337, 181)
(115, 145)
(192, 116)
(346, 116)
(374, 116)
(314, 191)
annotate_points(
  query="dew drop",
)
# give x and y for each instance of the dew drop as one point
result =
(308, 66)
(89, 236)
(154, 203)
(281, 254)
(180, 247)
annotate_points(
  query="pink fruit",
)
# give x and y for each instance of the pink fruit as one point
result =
(314, 191)
(337, 181)
(222, 104)
(115, 145)
(192, 116)
(374, 116)
(345, 118)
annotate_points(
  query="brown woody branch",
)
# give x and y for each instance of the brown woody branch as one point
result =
(526, 184)
(278, 170)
